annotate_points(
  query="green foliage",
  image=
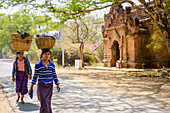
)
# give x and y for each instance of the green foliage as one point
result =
(143, 65)
(61, 9)
(19, 21)
(64, 10)
(167, 4)
(24, 21)
(157, 40)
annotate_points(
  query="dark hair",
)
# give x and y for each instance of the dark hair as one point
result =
(20, 52)
(44, 51)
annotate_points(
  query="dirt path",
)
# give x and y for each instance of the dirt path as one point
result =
(4, 103)
(152, 90)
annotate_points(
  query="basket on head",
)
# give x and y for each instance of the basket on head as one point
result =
(44, 42)
(19, 44)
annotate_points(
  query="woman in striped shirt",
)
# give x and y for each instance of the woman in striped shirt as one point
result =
(45, 72)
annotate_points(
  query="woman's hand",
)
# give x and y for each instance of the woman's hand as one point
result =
(58, 87)
(13, 79)
(31, 89)
(30, 77)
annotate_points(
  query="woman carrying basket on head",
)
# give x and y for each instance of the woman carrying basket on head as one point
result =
(20, 72)
(45, 72)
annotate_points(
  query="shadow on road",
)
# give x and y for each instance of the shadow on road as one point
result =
(28, 107)
(153, 90)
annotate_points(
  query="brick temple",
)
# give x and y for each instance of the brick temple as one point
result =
(125, 35)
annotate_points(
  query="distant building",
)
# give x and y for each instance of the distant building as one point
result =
(125, 35)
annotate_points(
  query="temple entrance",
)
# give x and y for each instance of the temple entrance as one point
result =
(115, 53)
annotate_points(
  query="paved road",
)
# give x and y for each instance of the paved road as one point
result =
(75, 98)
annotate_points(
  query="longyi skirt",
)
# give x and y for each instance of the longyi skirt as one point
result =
(21, 83)
(44, 93)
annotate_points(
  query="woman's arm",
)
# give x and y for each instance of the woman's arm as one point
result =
(14, 69)
(31, 89)
(29, 67)
(13, 72)
(34, 80)
(58, 87)
(55, 76)
(36, 74)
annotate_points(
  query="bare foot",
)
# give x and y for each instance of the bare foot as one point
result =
(17, 100)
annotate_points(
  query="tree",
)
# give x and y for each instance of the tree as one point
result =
(23, 21)
(19, 21)
(158, 11)
(83, 31)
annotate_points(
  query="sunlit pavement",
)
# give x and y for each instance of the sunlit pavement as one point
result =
(75, 98)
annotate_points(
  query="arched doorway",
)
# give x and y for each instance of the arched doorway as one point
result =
(115, 53)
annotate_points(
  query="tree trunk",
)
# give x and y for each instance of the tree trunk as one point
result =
(168, 45)
(81, 53)
(166, 35)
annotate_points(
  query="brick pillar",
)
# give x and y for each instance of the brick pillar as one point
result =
(105, 60)
(121, 53)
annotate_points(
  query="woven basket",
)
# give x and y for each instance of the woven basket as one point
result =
(45, 42)
(19, 44)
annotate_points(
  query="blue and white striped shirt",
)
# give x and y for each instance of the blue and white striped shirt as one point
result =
(44, 74)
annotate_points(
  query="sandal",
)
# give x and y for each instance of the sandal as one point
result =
(22, 102)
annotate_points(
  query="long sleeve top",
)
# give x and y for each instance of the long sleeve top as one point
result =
(28, 70)
(44, 74)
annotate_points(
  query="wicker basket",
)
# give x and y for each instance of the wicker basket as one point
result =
(19, 44)
(45, 42)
